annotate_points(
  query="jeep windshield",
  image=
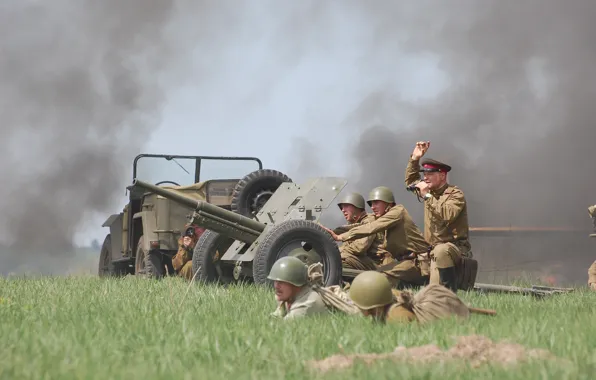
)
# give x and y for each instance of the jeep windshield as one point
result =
(186, 170)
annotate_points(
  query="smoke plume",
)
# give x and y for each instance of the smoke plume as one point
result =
(80, 95)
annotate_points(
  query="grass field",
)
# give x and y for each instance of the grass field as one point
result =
(91, 328)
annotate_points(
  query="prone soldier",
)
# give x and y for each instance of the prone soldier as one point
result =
(290, 281)
(372, 294)
(406, 251)
(445, 216)
(363, 253)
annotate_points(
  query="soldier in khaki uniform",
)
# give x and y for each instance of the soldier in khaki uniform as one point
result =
(371, 293)
(592, 269)
(290, 281)
(404, 246)
(363, 253)
(592, 276)
(445, 216)
(182, 261)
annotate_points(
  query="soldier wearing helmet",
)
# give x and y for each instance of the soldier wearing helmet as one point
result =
(407, 263)
(371, 292)
(363, 253)
(445, 216)
(182, 260)
(592, 269)
(290, 281)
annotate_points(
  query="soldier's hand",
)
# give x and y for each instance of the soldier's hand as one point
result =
(423, 187)
(186, 241)
(333, 234)
(420, 149)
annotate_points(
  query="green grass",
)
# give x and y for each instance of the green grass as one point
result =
(91, 328)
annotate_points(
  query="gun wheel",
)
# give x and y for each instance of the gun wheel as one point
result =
(291, 234)
(254, 190)
(206, 266)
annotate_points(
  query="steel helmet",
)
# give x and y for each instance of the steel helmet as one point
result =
(381, 193)
(371, 289)
(353, 199)
(289, 269)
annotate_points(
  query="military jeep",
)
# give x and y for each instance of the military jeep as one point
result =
(151, 222)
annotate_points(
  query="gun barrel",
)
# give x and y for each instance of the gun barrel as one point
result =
(216, 218)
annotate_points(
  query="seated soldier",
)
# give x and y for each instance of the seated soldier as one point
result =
(363, 253)
(408, 263)
(371, 293)
(182, 261)
(290, 281)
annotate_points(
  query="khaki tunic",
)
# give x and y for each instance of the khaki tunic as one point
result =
(401, 236)
(445, 213)
(307, 302)
(592, 274)
(397, 313)
(182, 260)
(364, 253)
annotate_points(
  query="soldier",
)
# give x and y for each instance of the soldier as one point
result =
(371, 293)
(445, 216)
(592, 276)
(592, 213)
(360, 253)
(290, 281)
(406, 262)
(592, 269)
(182, 261)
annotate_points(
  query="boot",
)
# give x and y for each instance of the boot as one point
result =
(448, 278)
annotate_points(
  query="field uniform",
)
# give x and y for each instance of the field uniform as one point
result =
(445, 224)
(400, 238)
(182, 260)
(363, 253)
(307, 302)
(592, 276)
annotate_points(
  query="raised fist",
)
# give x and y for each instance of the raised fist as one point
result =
(420, 149)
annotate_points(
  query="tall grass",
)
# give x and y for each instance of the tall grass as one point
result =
(91, 328)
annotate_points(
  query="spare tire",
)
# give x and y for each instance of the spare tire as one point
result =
(206, 266)
(292, 234)
(254, 190)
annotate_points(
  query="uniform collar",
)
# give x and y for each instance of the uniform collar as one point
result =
(440, 190)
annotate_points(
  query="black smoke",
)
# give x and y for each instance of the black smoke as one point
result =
(81, 93)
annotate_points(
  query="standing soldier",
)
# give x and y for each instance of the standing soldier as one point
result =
(363, 253)
(182, 261)
(445, 216)
(406, 262)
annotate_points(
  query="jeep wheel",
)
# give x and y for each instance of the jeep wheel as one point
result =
(254, 190)
(205, 258)
(148, 265)
(292, 234)
(106, 267)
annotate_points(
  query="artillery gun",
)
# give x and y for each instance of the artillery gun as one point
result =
(237, 247)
